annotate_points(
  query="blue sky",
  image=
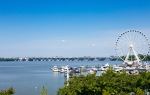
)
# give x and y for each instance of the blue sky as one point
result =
(68, 28)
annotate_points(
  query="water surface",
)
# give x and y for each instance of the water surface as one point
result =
(29, 77)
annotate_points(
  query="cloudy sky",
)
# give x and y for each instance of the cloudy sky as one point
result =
(68, 28)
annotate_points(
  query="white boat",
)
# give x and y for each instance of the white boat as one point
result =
(55, 69)
(64, 69)
(94, 69)
(105, 67)
(117, 68)
(91, 71)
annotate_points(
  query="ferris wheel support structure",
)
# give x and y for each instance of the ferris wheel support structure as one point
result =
(131, 49)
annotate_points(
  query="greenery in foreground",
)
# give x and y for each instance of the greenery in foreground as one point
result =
(110, 83)
(9, 91)
(44, 91)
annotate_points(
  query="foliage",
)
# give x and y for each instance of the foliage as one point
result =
(9, 91)
(109, 83)
(139, 91)
(44, 91)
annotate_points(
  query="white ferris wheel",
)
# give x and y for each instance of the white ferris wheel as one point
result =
(132, 47)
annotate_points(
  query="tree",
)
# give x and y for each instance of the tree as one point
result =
(109, 83)
(106, 92)
(44, 91)
(139, 91)
(9, 91)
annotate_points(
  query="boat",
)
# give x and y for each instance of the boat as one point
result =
(105, 67)
(55, 69)
(64, 69)
(117, 68)
(94, 69)
(74, 70)
(91, 71)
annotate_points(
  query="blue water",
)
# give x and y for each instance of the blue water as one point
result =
(29, 77)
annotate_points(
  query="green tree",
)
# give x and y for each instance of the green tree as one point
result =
(44, 91)
(109, 83)
(139, 91)
(9, 91)
(105, 92)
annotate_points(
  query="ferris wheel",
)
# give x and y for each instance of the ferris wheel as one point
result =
(132, 47)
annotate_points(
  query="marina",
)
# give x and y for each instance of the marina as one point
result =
(101, 68)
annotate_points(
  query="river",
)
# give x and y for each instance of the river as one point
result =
(29, 77)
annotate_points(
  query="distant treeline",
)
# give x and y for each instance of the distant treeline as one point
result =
(111, 58)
